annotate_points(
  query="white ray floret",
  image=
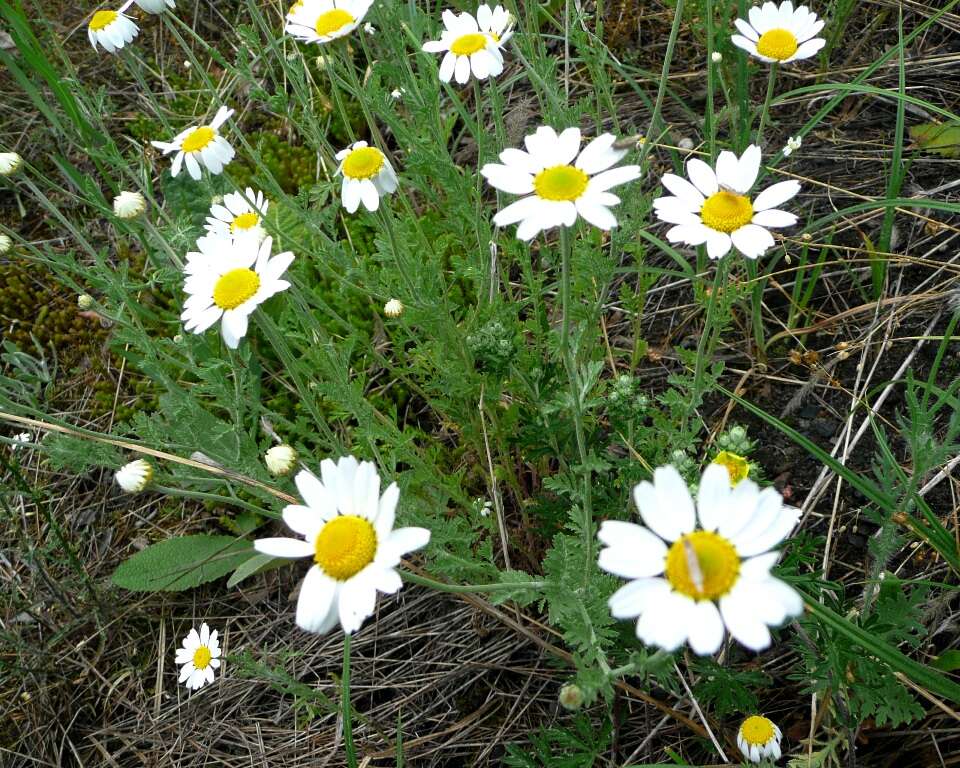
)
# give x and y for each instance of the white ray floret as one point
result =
(367, 176)
(320, 21)
(226, 280)
(198, 657)
(689, 582)
(714, 207)
(471, 44)
(779, 34)
(201, 145)
(347, 528)
(111, 29)
(155, 6)
(239, 215)
(759, 737)
(134, 476)
(559, 180)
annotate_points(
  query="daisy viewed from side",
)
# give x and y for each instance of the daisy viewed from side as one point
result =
(226, 280)
(559, 180)
(112, 30)
(320, 21)
(496, 22)
(367, 176)
(688, 583)
(200, 145)
(759, 737)
(716, 208)
(780, 34)
(470, 45)
(347, 528)
(240, 215)
(199, 657)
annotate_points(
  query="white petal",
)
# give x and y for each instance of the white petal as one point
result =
(745, 43)
(668, 623)
(599, 154)
(595, 213)
(665, 505)
(315, 494)
(568, 144)
(742, 622)
(706, 628)
(758, 568)
(613, 178)
(684, 191)
(507, 179)
(702, 176)
(774, 217)
(447, 67)
(746, 30)
(713, 496)
(542, 145)
(518, 160)
(317, 601)
(461, 72)
(694, 233)
(635, 597)
(358, 601)
(386, 511)
(523, 208)
(808, 49)
(747, 168)
(283, 547)
(303, 520)
(386, 580)
(401, 542)
(234, 326)
(776, 194)
(350, 195)
(752, 241)
(673, 210)
(718, 244)
(636, 554)
(369, 195)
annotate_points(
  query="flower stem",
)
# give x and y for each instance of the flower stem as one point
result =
(345, 703)
(771, 80)
(709, 116)
(467, 589)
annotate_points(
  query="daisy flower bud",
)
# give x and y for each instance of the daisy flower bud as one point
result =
(84, 301)
(135, 476)
(571, 697)
(393, 308)
(5, 243)
(758, 738)
(129, 205)
(10, 162)
(280, 459)
(716, 57)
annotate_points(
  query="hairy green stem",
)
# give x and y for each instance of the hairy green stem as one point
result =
(469, 589)
(345, 703)
(771, 81)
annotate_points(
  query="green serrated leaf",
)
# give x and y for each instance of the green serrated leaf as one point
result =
(181, 563)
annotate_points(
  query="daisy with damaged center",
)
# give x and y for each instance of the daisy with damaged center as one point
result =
(471, 44)
(559, 181)
(715, 207)
(347, 528)
(320, 21)
(780, 34)
(687, 582)
(367, 176)
(226, 279)
(240, 215)
(200, 145)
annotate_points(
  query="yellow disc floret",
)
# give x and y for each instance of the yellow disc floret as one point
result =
(235, 287)
(561, 182)
(198, 138)
(468, 44)
(778, 44)
(102, 20)
(702, 565)
(332, 21)
(726, 211)
(737, 467)
(345, 546)
(244, 221)
(201, 657)
(757, 730)
(363, 163)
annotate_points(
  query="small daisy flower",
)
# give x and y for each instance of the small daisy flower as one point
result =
(496, 22)
(280, 459)
(367, 176)
(135, 476)
(397, 93)
(716, 208)
(240, 215)
(393, 308)
(759, 737)
(688, 583)
(202, 144)
(320, 21)
(129, 205)
(20, 440)
(10, 163)
(112, 30)
(347, 528)
(226, 280)
(793, 144)
(5, 243)
(737, 467)
(155, 6)
(559, 180)
(468, 48)
(198, 657)
(780, 34)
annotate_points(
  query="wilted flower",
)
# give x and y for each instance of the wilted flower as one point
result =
(129, 205)
(135, 476)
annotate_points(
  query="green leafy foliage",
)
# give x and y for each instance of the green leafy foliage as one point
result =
(181, 563)
(938, 138)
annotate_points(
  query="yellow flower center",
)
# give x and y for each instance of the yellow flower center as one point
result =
(333, 21)
(467, 44)
(235, 287)
(198, 138)
(561, 182)
(702, 565)
(102, 19)
(345, 546)
(363, 163)
(757, 730)
(779, 44)
(726, 211)
(737, 467)
(244, 221)
(201, 657)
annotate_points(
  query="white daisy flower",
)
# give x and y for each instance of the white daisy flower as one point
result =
(367, 176)
(202, 144)
(240, 215)
(780, 34)
(676, 586)
(227, 279)
(155, 6)
(557, 188)
(112, 30)
(347, 528)
(20, 440)
(468, 47)
(10, 163)
(5, 243)
(759, 737)
(793, 144)
(280, 459)
(129, 205)
(716, 208)
(320, 21)
(199, 656)
(135, 476)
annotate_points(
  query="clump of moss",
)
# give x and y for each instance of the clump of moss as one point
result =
(292, 166)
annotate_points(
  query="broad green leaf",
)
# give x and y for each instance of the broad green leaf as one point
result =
(181, 563)
(948, 661)
(939, 138)
(258, 563)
